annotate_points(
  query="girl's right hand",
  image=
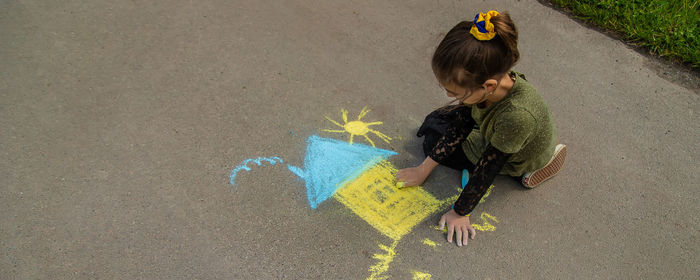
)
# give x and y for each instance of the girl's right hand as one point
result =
(415, 176)
(412, 176)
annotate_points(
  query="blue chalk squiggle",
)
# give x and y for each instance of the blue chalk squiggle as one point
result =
(258, 161)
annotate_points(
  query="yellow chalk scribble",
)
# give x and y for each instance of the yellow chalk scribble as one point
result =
(486, 226)
(430, 243)
(384, 260)
(375, 198)
(417, 275)
(357, 127)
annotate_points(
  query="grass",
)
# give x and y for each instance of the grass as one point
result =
(668, 28)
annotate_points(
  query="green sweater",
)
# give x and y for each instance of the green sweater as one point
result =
(520, 124)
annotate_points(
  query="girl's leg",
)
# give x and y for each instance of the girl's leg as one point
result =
(532, 179)
(458, 160)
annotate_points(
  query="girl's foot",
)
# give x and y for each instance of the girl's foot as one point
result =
(532, 179)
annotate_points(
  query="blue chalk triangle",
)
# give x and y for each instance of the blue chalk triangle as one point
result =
(329, 163)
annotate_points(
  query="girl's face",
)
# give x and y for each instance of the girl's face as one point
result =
(465, 96)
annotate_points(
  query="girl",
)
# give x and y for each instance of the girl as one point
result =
(500, 126)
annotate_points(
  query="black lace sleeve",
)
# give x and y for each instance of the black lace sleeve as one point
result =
(457, 130)
(484, 173)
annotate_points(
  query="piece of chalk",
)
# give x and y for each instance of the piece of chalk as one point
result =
(465, 178)
(400, 184)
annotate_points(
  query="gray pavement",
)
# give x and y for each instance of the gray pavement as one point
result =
(121, 121)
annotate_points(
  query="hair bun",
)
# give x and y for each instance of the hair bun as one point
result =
(483, 29)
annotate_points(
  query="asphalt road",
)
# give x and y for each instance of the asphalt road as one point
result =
(121, 123)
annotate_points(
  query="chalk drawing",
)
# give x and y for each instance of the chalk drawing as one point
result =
(384, 260)
(258, 161)
(362, 179)
(357, 127)
(430, 243)
(330, 164)
(417, 275)
(392, 211)
(486, 226)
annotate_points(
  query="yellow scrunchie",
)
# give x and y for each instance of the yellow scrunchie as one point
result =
(483, 28)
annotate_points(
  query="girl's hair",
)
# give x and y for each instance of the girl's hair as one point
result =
(467, 62)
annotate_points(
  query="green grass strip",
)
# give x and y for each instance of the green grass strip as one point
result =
(669, 28)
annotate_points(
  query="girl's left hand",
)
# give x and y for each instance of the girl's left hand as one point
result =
(459, 225)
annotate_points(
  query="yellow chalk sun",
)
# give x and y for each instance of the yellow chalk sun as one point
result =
(357, 127)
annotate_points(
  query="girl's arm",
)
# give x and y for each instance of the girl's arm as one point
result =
(491, 162)
(456, 132)
(457, 219)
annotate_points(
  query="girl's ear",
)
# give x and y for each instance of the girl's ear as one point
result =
(490, 85)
